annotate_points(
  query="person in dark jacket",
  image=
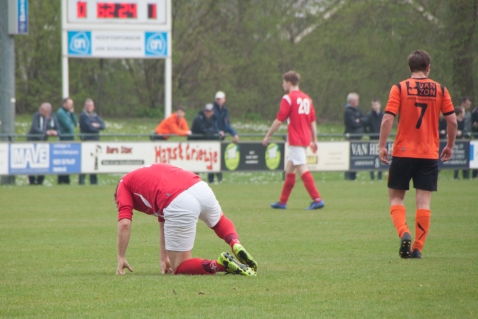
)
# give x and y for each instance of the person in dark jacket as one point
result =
(374, 121)
(67, 120)
(355, 123)
(90, 126)
(205, 128)
(205, 125)
(44, 125)
(461, 133)
(223, 123)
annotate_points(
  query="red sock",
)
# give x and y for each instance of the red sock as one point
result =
(398, 214)
(193, 266)
(287, 188)
(422, 224)
(310, 186)
(225, 230)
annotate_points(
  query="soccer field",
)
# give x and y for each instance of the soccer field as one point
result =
(58, 256)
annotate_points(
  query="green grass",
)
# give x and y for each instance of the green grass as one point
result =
(58, 255)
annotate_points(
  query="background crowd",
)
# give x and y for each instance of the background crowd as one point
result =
(213, 123)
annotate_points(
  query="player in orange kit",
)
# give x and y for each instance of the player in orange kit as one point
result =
(418, 102)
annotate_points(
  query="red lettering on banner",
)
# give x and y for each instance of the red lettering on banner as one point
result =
(193, 154)
(126, 150)
(112, 150)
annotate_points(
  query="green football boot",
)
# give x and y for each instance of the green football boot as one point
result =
(233, 266)
(244, 257)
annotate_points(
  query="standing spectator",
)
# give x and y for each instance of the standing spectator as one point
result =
(374, 120)
(465, 105)
(461, 133)
(90, 126)
(415, 151)
(298, 109)
(442, 128)
(355, 123)
(178, 198)
(474, 122)
(223, 123)
(206, 124)
(44, 125)
(474, 133)
(174, 124)
(67, 119)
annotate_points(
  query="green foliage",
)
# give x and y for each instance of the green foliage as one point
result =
(243, 47)
(59, 257)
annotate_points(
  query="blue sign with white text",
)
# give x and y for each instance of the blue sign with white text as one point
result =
(22, 18)
(45, 158)
(65, 158)
(79, 43)
(156, 44)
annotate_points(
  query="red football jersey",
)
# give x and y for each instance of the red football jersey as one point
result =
(298, 108)
(151, 188)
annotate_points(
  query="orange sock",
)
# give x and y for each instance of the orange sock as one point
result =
(398, 214)
(422, 224)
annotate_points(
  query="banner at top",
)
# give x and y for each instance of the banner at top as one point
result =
(118, 44)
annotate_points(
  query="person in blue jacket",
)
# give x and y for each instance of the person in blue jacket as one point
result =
(224, 125)
(44, 125)
(90, 126)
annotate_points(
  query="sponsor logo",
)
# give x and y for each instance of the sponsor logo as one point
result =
(311, 159)
(232, 156)
(273, 156)
(166, 154)
(30, 156)
(156, 43)
(422, 89)
(119, 150)
(79, 43)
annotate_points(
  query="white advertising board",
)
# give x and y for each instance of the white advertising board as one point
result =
(4, 158)
(118, 44)
(331, 156)
(123, 157)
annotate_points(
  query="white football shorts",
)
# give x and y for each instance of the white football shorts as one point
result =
(182, 214)
(297, 155)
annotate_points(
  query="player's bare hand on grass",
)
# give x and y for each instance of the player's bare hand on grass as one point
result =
(383, 154)
(166, 267)
(122, 264)
(446, 154)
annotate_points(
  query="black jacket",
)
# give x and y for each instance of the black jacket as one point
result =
(206, 126)
(351, 114)
(86, 126)
(374, 121)
(474, 118)
(40, 125)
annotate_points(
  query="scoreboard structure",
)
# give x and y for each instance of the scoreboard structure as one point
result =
(140, 13)
(139, 29)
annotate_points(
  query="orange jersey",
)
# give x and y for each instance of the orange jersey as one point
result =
(173, 125)
(418, 103)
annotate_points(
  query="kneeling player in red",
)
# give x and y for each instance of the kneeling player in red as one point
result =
(178, 198)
